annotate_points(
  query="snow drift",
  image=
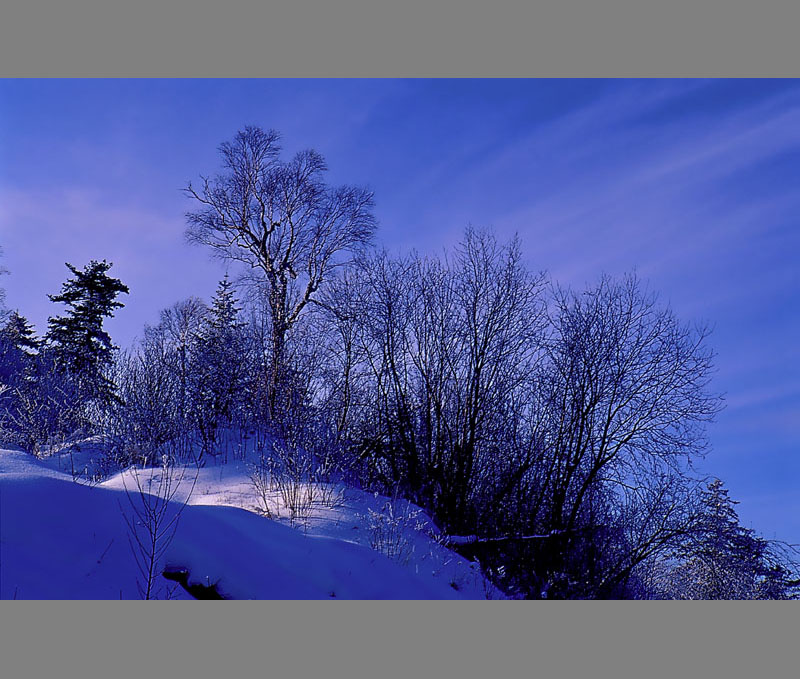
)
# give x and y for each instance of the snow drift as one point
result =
(63, 539)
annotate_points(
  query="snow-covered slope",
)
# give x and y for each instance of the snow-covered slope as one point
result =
(61, 539)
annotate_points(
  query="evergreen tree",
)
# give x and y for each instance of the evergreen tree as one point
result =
(725, 560)
(223, 319)
(218, 356)
(78, 344)
(18, 345)
(17, 371)
(36, 403)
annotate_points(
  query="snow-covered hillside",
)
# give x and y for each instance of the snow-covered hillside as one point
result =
(66, 539)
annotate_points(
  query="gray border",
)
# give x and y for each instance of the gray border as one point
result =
(357, 38)
(399, 639)
(386, 639)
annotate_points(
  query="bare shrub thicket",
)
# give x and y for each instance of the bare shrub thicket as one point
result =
(294, 480)
(438, 356)
(618, 406)
(392, 528)
(507, 410)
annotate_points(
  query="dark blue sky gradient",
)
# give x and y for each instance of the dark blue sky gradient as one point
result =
(693, 183)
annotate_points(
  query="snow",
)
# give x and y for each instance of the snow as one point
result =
(66, 539)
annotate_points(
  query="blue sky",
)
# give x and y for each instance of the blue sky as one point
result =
(692, 183)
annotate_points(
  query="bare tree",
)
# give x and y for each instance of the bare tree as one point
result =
(178, 328)
(338, 330)
(145, 421)
(496, 347)
(283, 221)
(154, 521)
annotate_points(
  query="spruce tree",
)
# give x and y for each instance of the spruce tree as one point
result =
(725, 560)
(17, 371)
(78, 344)
(218, 357)
(18, 345)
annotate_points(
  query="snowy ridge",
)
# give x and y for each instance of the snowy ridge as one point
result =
(65, 539)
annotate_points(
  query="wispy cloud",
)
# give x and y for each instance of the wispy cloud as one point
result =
(43, 229)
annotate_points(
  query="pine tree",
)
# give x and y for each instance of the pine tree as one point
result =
(76, 341)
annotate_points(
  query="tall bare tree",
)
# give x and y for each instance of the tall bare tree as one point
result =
(281, 219)
(178, 328)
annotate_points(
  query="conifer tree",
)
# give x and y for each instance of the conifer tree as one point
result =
(218, 357)
(77, 342)
(725, 560)
(18, 345)
(36, 403)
